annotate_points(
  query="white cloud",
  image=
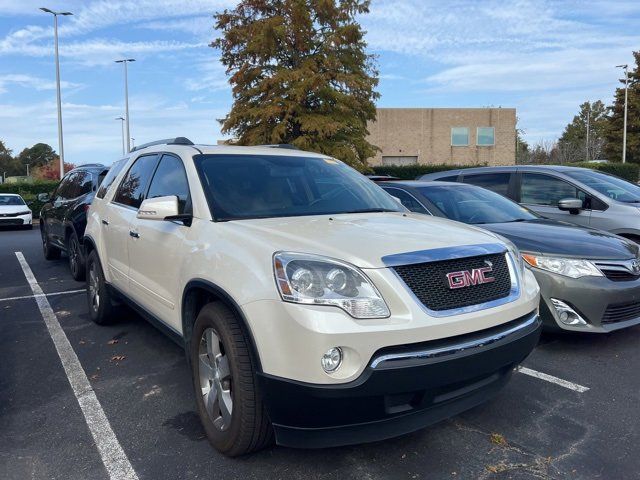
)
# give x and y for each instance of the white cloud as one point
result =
(29, 81)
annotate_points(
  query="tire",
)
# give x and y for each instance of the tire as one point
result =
(101, 309)
(231, 375)
(76, 258)
(50, 252)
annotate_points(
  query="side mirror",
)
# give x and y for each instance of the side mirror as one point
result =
(43, 197)
(158, 208)
(572, 205)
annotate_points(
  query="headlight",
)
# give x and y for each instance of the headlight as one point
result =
(316, 280)
(28, 212)
(569, 267)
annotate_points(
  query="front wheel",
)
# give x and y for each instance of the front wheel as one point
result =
(76, 258)
(50, 252)
(223, 373)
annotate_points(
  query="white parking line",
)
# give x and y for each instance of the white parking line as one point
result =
(550, 378)
(66, 292)
(113, 456)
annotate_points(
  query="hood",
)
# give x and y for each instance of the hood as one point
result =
(563, 239)
(360, 239)
(13, 208)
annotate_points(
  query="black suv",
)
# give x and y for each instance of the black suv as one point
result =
(63, 217)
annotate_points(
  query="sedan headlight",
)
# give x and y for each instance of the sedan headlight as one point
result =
(569, 267)
(316, 280)
(28, 212)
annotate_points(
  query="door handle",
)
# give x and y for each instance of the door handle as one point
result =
(133, 234)
(104, 222)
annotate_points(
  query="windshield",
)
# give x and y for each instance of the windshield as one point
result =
(475, 205)
(6, 200)
(612, 187)
(263, 186)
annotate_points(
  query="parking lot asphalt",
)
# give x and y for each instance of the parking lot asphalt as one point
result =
(533, 429)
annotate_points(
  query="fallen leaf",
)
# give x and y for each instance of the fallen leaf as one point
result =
(113, 341)
(118, 358)
(498, 439)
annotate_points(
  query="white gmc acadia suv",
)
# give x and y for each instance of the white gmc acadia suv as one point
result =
(312, 306)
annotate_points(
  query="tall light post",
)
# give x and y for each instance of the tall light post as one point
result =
(55, 36)
(588, 119)
(123, 137)
(625, 67)
(126, 97)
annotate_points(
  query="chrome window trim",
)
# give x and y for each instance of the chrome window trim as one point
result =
(529, 321)
(451, 253)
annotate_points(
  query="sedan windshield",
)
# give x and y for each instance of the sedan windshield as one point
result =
(263, 186)
(613, 187)
(475, 205)
(12, 200)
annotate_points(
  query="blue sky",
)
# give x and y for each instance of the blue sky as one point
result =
(542, 57)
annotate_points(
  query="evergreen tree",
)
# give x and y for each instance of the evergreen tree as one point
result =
(616, 119)
(573, 142)
(300, 75)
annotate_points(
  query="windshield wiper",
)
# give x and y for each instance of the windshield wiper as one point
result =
(369, 210)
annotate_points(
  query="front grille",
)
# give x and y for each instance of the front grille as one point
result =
(428, 282)
(621, 312)
(11, 221)
(619, 275)
(5, 215)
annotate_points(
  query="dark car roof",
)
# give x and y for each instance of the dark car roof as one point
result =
(97, 167)
(506, 168)
(420, 183)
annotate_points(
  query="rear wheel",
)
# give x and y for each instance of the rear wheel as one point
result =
(50, 252)
(101, 309)
(223, 372)
(76, 258)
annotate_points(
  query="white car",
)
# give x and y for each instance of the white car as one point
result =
(312, 306)
(14, 211)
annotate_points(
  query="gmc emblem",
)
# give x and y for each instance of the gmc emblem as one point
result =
(466, 278)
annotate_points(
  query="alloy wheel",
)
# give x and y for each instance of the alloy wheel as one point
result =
(215, 379)
(94, 287)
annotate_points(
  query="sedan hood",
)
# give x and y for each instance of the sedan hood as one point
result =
(13, 208)
(563, 239)
(360, 239)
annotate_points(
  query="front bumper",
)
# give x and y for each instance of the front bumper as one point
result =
(21, 220)
(401, 390)
(593, 298)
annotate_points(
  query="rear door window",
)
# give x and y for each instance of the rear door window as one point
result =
(131, 191)
(496, 182)
(65, 188)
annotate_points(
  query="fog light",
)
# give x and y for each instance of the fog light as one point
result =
(332, 359)
(566, 314)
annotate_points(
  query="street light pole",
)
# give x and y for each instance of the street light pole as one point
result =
(55, 37)
(123, 137)
(588, 118)
(624, 131)
(126, 97)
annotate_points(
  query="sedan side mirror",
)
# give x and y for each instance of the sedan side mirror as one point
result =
(43, 197)
(572, 205)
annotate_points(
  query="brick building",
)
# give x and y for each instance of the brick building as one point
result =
(462, 136)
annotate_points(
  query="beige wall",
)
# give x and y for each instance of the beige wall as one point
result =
(426, 134)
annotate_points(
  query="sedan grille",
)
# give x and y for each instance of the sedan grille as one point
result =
(621, 312)
(429, 282)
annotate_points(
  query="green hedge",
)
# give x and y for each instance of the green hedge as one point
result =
(628, 171)
(411, 172)
(29, 192)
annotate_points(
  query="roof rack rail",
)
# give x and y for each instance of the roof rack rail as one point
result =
(287, 146)
(89, 165)
(166, 141)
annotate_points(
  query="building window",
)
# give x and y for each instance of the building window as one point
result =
(459, 136)
(399, 160)
(486, 137)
